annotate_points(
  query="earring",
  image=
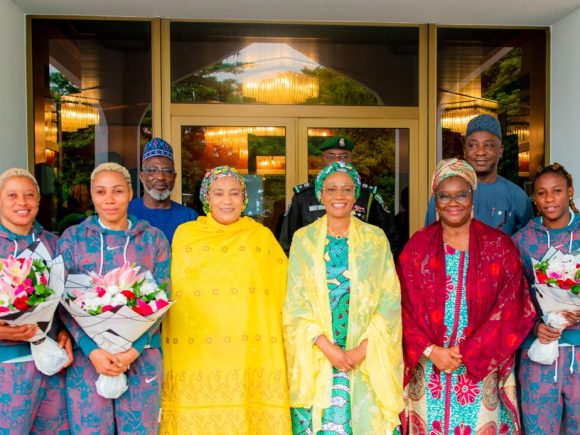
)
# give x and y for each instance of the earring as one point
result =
(472, 212)
(436, 215)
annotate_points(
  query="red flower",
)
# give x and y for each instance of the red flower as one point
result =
(436, 388)
(21, 303)
(143, 308)
(100, 291)
(542, 277)
(128, 294)
(466, 390)
(462, 429)
(504, 429)
(436, 428)
(43, 280)
(4, 309)
(566, 284)
(106, 308)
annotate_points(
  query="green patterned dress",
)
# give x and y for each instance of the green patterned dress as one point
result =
(336, 418)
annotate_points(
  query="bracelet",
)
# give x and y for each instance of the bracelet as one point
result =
(315, 339)
(428, 350)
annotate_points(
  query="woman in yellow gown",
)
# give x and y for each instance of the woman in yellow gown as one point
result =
(222, 342)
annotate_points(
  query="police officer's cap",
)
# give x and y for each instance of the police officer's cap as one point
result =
(341, 143)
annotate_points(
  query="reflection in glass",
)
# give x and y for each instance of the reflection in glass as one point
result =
(258, 64)
(381, 156)
(499, 72)
(91, 97)
(259, 153)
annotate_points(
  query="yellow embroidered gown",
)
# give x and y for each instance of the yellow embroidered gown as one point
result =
(222, 342)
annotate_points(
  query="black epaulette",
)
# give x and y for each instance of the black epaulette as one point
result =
(368, 187)
(375, 191)
(300, 187)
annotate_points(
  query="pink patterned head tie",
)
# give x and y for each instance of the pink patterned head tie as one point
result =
(454, 168)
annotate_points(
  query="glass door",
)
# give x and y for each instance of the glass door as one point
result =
(382, 155)
(258, 148)
(275, 154)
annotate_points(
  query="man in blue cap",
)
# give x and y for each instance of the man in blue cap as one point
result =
(305, 207)
(158, 178)
(496, 202)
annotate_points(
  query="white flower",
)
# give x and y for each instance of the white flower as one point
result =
(148, 287)
(118, 299)
(161, 296)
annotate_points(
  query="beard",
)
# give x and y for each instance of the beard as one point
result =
(156, 195)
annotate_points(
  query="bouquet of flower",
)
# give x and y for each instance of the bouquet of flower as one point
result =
(114, 310)
(557, 283)
(31, 286)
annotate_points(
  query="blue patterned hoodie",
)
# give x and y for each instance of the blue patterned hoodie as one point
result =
(533, 241)
(90, 247)
(13, 244)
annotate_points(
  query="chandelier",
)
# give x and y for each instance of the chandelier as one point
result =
(288, 87)
(77, 112)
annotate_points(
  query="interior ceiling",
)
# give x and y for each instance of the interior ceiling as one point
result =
(488, 12)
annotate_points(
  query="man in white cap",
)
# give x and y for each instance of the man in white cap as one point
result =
(497, 201)
(158, 178)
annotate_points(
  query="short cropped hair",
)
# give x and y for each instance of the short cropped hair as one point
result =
(111, 167)
(18, 172)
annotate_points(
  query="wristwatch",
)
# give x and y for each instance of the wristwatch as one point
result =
(428, 350)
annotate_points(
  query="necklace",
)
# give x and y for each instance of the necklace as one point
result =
(337, 234)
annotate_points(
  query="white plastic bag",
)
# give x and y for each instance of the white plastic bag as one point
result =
(547, 353)
(111, 387)
(48, 356)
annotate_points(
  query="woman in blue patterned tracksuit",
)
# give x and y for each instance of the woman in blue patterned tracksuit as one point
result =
(99, 244)
(550, 394)
(30, 402)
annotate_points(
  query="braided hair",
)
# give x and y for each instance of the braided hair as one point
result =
(555, 168)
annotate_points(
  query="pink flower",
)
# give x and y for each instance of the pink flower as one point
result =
(100, 291)
(4, 309)
(466, 390)
(435, 386)
(161, 303)
(43, 280)
(106, 308)
(15, 271)
(504, 429)
(122, 277)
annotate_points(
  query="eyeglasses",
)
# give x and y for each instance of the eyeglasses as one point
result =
(346, 190)
(462, 197)
(156, 171)
(340, 156)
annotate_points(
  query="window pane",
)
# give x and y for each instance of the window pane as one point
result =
(501, 72)
(381, 156)
(259, 153)
(283, 64)
(92, 97)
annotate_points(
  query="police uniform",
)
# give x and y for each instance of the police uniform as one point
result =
(305, 209)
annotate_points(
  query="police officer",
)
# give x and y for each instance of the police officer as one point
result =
(305, 208)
